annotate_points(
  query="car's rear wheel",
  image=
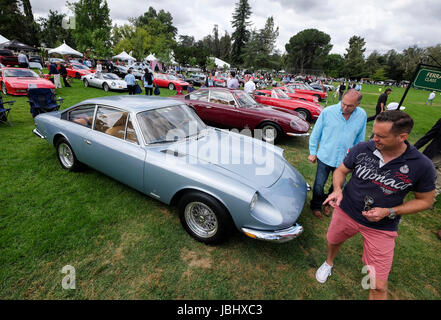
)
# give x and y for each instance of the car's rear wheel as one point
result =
(171, 86)
(270, 132)
(204, 218)
(66, 156)
(86, 83)
(106, 87)
(304, 114)
(4, 90)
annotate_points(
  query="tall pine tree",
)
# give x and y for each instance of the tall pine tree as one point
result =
(241, 34)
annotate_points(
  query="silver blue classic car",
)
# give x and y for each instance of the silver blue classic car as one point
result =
(219, 180)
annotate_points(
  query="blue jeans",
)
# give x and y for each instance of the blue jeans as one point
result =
(318, 192)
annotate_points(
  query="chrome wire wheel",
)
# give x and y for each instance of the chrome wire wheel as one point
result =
(269, 133)
(201, 219)
(66, 155)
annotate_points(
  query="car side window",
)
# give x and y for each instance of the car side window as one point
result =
(222, 97)
(111, 121)
(199, 95)
(130, 132)
(82, 115)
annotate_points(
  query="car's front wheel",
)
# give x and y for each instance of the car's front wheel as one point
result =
(106, 87)
(171, 86)
(66, 156)
(204, 218)
(304, 114)
(78, 76)
(270, 132)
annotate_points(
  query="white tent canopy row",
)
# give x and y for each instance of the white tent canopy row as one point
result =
(64, 49)
(124, 56)
(3, 39)
(220, 63)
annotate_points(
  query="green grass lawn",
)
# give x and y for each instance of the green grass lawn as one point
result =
(125, 245)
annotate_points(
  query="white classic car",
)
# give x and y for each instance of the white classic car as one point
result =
(105, 81)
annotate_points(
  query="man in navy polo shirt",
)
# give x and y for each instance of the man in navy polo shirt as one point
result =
(384, 170)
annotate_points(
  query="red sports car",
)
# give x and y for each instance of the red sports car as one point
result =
(16, 81)
(225, 108)
(76, 70)
(276, 97)
(164, 80)
(292, 93)
(307, 89)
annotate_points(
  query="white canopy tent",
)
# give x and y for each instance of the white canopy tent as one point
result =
(124, 56)
(151, 57)
(3, 39)
(220, 63)
(64, 49)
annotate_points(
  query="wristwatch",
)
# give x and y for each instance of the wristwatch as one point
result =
(392, 214)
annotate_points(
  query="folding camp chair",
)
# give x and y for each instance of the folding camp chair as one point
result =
(43, 100)
(4, 112)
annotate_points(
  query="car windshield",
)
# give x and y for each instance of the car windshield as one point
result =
(244, 99)
(307, 86)
(290, 90)
(80, 66)
(110, 76)
(169, 124)
(280, 94)
(171, 77)
(19, 73)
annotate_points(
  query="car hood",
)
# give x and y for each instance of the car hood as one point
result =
(273, 112)
(251, 161)
(17, 81)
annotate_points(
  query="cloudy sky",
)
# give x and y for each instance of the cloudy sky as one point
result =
(385, 25)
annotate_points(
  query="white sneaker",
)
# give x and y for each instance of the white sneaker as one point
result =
(323, 272)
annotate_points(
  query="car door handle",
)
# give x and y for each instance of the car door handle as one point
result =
(87, 141)
(208, 107)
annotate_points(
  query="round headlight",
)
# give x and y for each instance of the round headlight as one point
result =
(113, 84)
(253, 201)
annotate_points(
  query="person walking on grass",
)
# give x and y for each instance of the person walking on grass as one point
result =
(384, 170)
(431, 98)
(338, 128)
(131, 81)
(381, 104)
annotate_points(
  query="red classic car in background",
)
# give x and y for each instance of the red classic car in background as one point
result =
(227, 108)
(164, 80)
(220, 82)
(292, 93)
(77, 70)
(307, 89)
(16, 81)
(276, 97)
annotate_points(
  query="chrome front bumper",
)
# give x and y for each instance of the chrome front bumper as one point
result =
(278, 236)
(37, 133)
(297, 134)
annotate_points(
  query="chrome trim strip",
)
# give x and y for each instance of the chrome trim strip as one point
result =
(297, 134)
(278, 236)
(38, 134)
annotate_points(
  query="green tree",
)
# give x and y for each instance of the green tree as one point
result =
(307, 49)
(354, 58)
(333, 65)
(374, 62)
(92, 26)
(412, 56)
(31, 35)
(394, 65)
(241, 34)
(156, 23)
(433, 55)
(53, 32)
(225, 47)
(259, 49)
